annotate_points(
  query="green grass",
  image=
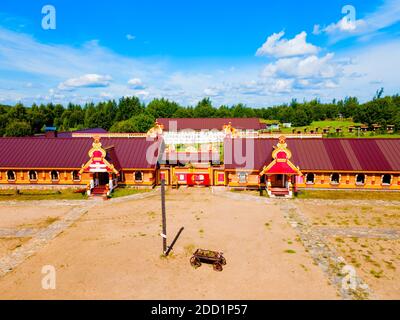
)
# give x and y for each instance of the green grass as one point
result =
(348, 194)
(28, 195)
(123, 192)
(334, 124)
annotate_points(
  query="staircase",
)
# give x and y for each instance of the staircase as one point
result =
(100, 191)
(280, 192)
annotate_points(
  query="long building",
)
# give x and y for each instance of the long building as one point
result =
(100, 162)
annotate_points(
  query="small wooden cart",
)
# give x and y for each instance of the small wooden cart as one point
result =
(209, 257)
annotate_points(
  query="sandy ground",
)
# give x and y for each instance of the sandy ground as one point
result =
(376, 259)
(364, 214)
(21, 216)
(113, 252)
(25, 215)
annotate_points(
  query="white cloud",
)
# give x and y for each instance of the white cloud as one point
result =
(106, 95)
(86, 81)
(142, 93)
(305, 67)
(130, 37)
(344, 25)
(384, 16)
(212, 92)
(351, 72)
(317, 29)
(136, 84)
(282, 85)
(277, 47)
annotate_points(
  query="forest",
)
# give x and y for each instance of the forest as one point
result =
(130, 114)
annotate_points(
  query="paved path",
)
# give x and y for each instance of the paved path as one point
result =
(359, 232)
(337, 270)
(19, 255)
(42, 237)
(23, 233)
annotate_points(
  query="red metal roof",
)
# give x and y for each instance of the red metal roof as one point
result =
(68, 134)
(31, 153)
(369, 155)
(209, 123)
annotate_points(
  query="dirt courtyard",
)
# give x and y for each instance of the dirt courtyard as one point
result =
(114, 252)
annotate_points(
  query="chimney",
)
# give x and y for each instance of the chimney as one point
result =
(51, 132)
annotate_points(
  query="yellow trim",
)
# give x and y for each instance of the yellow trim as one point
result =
(346, 171)
(97, 146)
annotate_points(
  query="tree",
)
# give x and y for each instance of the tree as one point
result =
(241, 111)
(129, 107)
(300, 118)
(36, 118)
(140, 123)
(162, 108)
(123, 126)
(204, 109)
(183, 113)
(18, 112)
(18, 129)
(143, 122)
(223, 112)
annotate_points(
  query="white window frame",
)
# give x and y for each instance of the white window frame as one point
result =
(336, 183)
(134, 176)
(240, 175)
(15, 176)
(308, 182)
(58, 176)
(360, 183)
(73, 178)
(29, 175)
(387, 184)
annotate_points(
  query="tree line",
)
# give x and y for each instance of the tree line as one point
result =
(129, 114)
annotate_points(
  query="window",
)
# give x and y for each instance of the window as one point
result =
(360, 179)
(335, 178)
(33, 175)
(242, 177)
(138, 176)
(76, 176)
(386, 180)
(310, 179)
(54, 175)
(10, 175)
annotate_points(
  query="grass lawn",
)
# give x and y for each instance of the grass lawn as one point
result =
(334, 124)
(123, 192)
(348, 194)
(26, 195)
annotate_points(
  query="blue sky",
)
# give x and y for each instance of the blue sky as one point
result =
(256, 52)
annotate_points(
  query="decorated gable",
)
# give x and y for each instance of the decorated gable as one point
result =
(98, 161)
(281, 163)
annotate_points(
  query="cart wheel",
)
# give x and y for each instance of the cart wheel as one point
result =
(223, 261)
(217, 267)
(195, 262)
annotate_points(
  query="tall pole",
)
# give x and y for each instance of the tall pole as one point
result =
(164, 217)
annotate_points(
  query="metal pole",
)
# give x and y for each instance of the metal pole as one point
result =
(173, 242)
(164, 217)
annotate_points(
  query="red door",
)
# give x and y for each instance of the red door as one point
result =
(198, 179)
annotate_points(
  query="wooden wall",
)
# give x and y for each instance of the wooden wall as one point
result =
(373, 181)
(43, 177)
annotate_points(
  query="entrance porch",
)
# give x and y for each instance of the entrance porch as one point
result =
(280, 185)
(103, 174)
(280, 175)
(102, 183)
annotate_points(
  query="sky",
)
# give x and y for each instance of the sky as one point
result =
(256, 52)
